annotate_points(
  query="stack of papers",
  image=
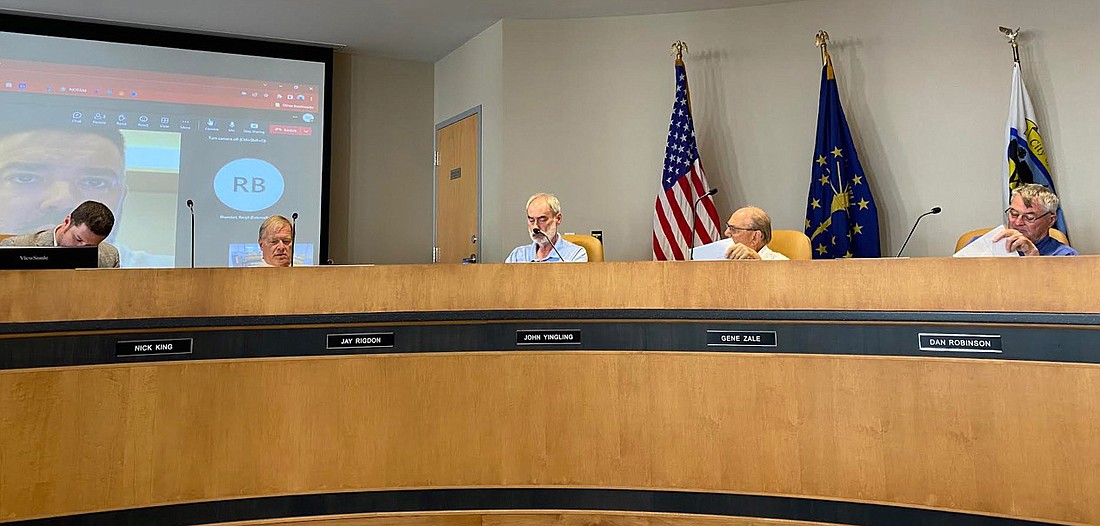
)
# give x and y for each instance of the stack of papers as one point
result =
(985, 247)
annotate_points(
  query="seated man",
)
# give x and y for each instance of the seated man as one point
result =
(86, 226)
(1032, 212)
(750, 228)
(543, 218)
(276, 240)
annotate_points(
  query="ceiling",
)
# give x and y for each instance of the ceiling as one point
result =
(421, 30)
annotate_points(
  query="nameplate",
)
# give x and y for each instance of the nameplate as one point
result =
(367, 340)
(131, 348)
(548, 337)
(741, 338)
(960, 342)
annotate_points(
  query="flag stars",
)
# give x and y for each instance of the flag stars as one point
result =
(858, 229)
(848, 254)
(816, 203)
(821, 248)
(836, 152)
(863, 203)
(857, 179)
(821, 160)
(807, 224)
(824, 180)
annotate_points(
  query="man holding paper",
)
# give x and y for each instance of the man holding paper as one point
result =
(1028, 220)
(750, 229)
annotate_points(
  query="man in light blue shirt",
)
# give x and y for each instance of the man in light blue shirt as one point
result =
(543, 219)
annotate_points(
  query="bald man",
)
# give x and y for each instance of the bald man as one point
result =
(750, 228)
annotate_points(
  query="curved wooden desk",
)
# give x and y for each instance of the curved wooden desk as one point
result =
(647, 417)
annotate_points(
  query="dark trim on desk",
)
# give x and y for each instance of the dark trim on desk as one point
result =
(1070, 338)
(528, 499)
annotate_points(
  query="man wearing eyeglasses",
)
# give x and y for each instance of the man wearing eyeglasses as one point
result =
(750, 228)
(1033, 211)
(543, 219)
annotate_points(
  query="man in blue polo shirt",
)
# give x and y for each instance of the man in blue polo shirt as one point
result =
(1033, 211)
(543, 219)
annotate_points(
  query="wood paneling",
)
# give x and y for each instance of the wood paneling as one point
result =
(1012, 438)
(981, 285)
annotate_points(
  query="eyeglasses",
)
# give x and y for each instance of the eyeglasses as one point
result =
(736, 228)
(1015, 215)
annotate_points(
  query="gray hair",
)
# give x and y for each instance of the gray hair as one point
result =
(760, 221)
(1038, 195)
(551, 202)
(275, 222)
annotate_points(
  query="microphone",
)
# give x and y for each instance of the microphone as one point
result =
(191, 206)
(691, 247)
(934, 210)
(538, 232)
(294, 234)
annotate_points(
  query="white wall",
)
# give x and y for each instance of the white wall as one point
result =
(381, 161)
(925, 85)
(468, 77)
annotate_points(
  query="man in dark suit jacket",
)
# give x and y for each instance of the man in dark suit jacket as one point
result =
(88, 225)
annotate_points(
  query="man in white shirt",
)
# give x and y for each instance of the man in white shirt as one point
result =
(750, 228)
(543, 219)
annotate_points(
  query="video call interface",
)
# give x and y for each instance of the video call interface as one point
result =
(144, 130)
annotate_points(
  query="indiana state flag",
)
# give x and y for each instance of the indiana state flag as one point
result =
(841, 219)
(1026, 159)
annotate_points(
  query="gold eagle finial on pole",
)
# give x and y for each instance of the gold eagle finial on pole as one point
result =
(1011, 35)
(679, 47)
(821, 39)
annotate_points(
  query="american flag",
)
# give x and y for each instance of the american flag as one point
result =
(682, 183)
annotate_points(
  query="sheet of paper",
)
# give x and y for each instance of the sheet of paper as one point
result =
(712, 251)
(985, 247)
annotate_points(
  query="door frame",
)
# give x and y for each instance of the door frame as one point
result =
(476, 110)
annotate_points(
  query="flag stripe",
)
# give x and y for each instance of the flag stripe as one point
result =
(682, 182)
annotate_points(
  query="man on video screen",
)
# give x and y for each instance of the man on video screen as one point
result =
(46, 172)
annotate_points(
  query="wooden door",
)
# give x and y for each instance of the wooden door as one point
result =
(456, 191)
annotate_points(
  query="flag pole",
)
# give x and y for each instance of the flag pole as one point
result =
(822, 40)
(680, 47)
(1011, 35)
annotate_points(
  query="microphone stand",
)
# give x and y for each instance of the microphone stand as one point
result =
(293, 234)
(694, 219)
(191, 206)
(934, 210)
(538, 232)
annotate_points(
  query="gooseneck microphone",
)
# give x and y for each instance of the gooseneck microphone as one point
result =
(691, 247)
(538, 232)
(934, 210)
(293, 235)
(191, 206)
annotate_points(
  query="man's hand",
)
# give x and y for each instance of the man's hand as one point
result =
(1016, 241)
(739, 251)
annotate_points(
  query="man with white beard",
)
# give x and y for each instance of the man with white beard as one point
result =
(543, 219)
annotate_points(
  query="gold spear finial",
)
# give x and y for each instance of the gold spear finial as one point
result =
(679, 47)
(1011, 35)
(822, 41)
